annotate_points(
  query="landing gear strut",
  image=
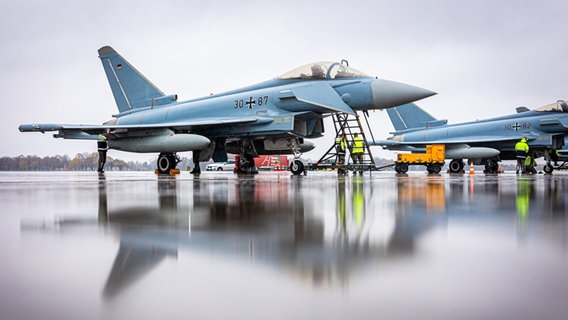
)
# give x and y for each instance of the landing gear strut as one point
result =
(166, 162)
(550, 156)
(491, 166)
(297, 167)
(246, 164)
(246, 157)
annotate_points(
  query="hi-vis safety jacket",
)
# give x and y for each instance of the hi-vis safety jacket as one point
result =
(522, 146)
(339, 145)
(358, 145)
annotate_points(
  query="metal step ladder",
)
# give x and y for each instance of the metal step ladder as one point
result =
(348, 125)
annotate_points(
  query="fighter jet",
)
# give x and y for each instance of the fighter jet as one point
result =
(271, 117)
(482, 141)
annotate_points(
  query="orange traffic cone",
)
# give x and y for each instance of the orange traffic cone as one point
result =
(471, 169)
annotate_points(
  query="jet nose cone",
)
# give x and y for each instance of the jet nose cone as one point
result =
(388, 94)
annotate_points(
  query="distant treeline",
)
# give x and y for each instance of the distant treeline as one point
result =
(81, 162)
(89, 162)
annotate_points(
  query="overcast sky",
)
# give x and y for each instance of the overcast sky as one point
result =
(484, 58)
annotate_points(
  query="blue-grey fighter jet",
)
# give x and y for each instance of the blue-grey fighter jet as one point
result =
(272, 117)
(483, 141)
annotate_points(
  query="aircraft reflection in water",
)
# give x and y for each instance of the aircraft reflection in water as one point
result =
(433, 195)
(435, 200)
(541, 201)
(273, 221)
(266, 221)
(140, 251)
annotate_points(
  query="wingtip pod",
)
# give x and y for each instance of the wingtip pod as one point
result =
(39, 127)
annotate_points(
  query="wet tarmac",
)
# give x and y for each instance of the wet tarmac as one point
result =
(272, 246)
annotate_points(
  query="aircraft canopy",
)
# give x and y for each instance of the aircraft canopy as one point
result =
(558, 106)
(323, 70)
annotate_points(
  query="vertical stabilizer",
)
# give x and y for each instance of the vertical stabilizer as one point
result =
(130, 88)
(409, 116)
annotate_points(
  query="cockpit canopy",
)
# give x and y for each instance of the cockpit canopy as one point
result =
(558, 106)
(323, 70)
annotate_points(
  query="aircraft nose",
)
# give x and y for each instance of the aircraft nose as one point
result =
(388, 94)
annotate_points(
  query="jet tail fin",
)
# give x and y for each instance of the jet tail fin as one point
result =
(411, 116)
(130, 88)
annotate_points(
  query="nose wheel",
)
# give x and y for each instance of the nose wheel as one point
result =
(297, 167)
(548, 168)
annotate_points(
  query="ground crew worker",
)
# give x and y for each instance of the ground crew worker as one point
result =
(102, 146)
(521, 150)
(340, 145)
(530, 164)
(357, 149)
(340, 148)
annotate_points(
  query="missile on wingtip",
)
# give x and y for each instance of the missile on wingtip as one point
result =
(388, 94)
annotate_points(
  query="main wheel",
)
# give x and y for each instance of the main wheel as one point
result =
(491, 167)
(403, 167)
(166, 162)
(245, 163)
(297, 167)
(456, 165)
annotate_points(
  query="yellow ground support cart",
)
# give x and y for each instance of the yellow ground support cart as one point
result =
(433, 159)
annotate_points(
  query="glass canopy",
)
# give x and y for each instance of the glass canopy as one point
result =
(323, 70)
(558, 106)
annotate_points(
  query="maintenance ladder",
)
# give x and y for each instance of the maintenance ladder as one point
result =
(347, 124)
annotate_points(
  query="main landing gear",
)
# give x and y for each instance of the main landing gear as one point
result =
(456, 166)
(245, 163)
(166, 162)
(491, 166)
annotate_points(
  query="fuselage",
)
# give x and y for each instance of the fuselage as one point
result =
(273, 104)
(270, 102)
(544, 129)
